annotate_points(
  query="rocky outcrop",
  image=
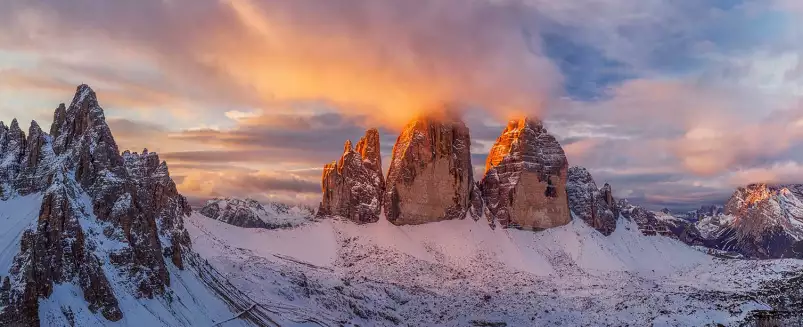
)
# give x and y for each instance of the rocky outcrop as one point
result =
(36, 162)
(654, 223)
(595, 206)
(477, 209)
(525, 178)
(430, 176)
(159, 198)
(704, 211)
(352, 187)
(249, 213)
(12, 149)
(101, 213)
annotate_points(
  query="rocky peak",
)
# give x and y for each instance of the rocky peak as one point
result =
(760, 209)
(133, 204)
(352, 186)
(37, 163)
(368, 148)
(84, 137)
(12, 149)
(249, 213)
(595, 206)
(656, 223)
(525, 180)
(430, 176)
(59, 117)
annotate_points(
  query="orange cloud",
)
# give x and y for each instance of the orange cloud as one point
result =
(364, 57)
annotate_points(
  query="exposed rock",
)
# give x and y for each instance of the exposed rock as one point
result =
(477, 208)
(430, 176)
(133, 205)
(525, 178)
(159, 198)
(767, 221)
(352, 187)
(595, 206)
(704, 211)
(12, 149)
(55, 252)
(654, 223)
(36, 164)
(249, 213)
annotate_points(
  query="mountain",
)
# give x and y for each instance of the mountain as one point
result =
(653, 223)
(525, 177)
(704, 211)
(353, 187)
(249, 213)
(430, 176)
(759, 221)
(594, 205)
(92, 236)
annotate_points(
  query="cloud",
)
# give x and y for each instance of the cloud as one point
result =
(789, 172)
(206, 184)
(365, 55)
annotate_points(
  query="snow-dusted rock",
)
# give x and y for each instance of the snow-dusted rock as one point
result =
(653, 223)
(353, 186)
(525, 177)
(759, 221)
(12, 149)
(37, 162)
(430, 177)
(249, 213)
(595, 206)
(58, 251)
(129, 211)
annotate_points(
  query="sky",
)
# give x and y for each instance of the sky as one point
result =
(673, 102)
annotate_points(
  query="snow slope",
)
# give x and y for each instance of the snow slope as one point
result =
(461, 272)
(16, 214)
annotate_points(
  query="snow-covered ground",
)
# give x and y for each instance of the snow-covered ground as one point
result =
(458, 273)
(16, 214)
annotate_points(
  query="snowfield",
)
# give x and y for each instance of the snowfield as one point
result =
(464, 273)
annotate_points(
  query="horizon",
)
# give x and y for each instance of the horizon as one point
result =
(675, 105)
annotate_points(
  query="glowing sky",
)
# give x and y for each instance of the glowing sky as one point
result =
(672, 102)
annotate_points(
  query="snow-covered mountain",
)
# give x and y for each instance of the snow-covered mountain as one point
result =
(759, 221)
(93, 237)
(250, 213)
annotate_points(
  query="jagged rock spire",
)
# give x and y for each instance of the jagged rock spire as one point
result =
(59, 118)
(525, 179)
(352, 186)
(12, 144)
(594, 206)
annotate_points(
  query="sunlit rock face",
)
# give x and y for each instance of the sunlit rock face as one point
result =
(353, 186)
(430, 177)
(525, 178)
(595, 206)
(766, 221)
